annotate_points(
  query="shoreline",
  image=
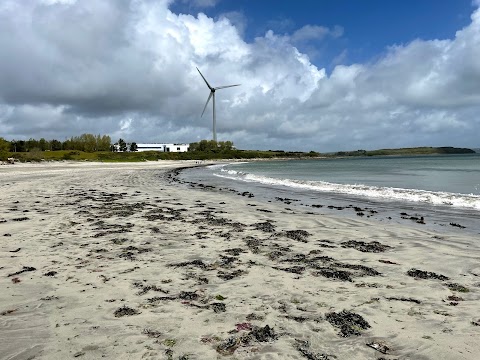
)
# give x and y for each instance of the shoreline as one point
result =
(119, 261)
(436, 217)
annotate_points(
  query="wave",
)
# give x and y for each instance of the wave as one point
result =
(220, 166)
(470, 201)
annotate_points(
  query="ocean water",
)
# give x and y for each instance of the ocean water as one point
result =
(441, 180)
(444, 188)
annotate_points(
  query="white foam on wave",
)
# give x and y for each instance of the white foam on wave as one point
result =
(220, 166)
(386, 193)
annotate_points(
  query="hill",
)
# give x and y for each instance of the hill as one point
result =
(408, 151)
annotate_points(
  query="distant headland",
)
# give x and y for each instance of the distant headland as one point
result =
(408, 151)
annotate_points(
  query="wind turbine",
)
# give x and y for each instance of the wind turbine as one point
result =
(212, 95)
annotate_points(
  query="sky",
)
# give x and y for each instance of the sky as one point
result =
(315, 75)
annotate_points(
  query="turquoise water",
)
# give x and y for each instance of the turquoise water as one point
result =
(452, 180)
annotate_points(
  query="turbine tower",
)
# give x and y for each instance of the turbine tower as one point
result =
(212, 95)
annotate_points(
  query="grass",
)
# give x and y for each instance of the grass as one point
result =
(107, 156)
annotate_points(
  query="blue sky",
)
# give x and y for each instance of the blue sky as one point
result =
(316, 75)
(369, 27)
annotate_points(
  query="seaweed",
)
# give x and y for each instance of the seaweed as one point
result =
(196, 263)
(24, 269)
(304, 348)
(335, 274)
(230, 275)
(188, 295)
(297, 235)
(404, 299)
(125, 311)
(152, 333)
(458, 287)
(348, 322)
(254, 316)
(218, 307)
(264, 226)
(228, 346)
(234, 251)
(257, 334)
(293, 269)
(263, 334)
(21, 219)
(365, 270)
(373, 246)
(420, 274)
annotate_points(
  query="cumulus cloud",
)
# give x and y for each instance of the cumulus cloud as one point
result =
(127, 68)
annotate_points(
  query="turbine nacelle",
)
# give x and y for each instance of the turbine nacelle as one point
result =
(210, 96)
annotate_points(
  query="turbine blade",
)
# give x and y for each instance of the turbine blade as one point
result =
(209, 97)
(206, 82)
(223, 87)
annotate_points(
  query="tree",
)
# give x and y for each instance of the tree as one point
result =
(133, 147)
(21, 146)
(88, 142)
(4, 149)
(55, 145)
(43, 145)
(13, 146)
(31, 144)
(225, 145)
(103, 143)
(211, 146)
(67, 145)
(122, 145)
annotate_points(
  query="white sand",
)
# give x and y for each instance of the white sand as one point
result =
(109, 231)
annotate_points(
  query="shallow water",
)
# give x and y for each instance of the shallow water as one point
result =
(445, 179)
(442, 189)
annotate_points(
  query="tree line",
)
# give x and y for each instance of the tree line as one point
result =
(84, 142)
(211, 146)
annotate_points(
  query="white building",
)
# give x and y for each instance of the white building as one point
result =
(163, 147)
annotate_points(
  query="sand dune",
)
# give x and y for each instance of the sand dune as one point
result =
(117, 261)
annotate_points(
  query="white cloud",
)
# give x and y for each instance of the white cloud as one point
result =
(128, 69)
(201, 3)
(315, 32)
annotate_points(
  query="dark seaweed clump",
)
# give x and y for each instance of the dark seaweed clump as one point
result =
(218, 307)
(50, 273)
(458, 287)
(262, 334)
(420, 274)
(373, 246)
(404, 299)
(265, 227)
(348, 322)
(195, 263)
(257, 334)
(24, 269)
(297, 235)
(304, 348)
(188, 295)
(335, 274)
(125, 311)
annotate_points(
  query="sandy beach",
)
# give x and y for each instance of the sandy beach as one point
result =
(120, 261)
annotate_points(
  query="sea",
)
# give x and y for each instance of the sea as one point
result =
(443, 190)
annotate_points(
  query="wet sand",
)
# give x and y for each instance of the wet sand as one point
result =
(120, 261)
